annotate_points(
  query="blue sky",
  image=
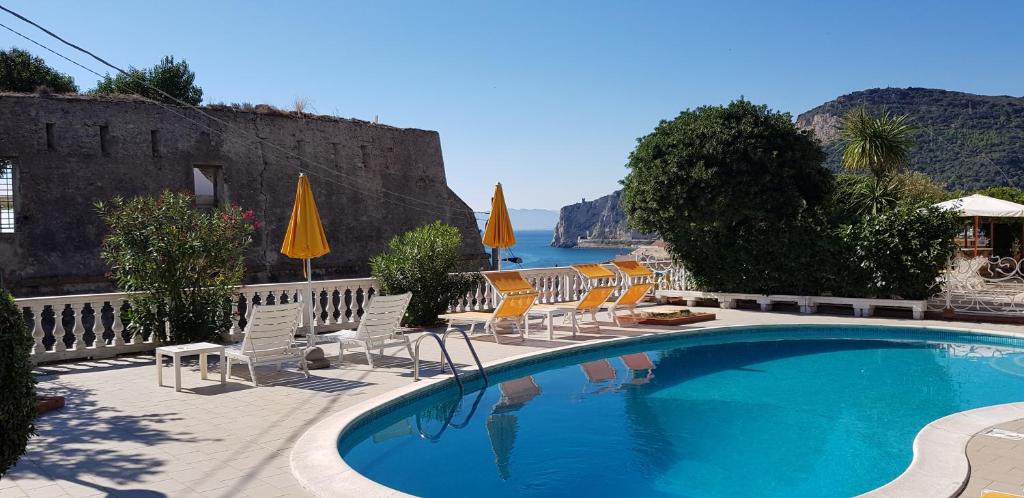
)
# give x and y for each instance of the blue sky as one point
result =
(546, 97)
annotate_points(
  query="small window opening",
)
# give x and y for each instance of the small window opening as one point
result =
(104, 136)
(206, 181)
(363, 156)
(154, 142)
(6, 196)
(51, 142)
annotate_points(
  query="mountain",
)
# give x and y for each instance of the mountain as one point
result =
(528, 219)
(964, 140)
(601, 218)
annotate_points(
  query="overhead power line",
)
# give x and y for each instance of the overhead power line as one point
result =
(428, 206)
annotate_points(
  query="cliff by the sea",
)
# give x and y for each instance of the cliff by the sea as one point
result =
(601, 220)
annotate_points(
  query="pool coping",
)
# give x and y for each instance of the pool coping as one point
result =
(939, 466)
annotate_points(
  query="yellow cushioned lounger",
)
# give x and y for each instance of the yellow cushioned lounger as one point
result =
(635, 292)
(508, 281)
(513, 308)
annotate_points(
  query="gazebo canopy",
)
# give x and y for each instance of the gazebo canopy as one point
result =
(983, 206)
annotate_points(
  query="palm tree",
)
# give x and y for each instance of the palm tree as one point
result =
(880, 145)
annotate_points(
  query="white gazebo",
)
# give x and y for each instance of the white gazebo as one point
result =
(982, 206)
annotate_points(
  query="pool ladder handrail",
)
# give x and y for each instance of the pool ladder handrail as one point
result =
(449, 419)
(446, 358)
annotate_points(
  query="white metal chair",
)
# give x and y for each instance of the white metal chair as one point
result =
(378, 327)
(269, 339)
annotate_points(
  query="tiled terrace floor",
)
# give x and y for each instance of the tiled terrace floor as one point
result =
(121, 435)
(996, 463)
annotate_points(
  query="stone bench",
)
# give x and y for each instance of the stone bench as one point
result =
(691, 297)
(865, 307)
(862, 307)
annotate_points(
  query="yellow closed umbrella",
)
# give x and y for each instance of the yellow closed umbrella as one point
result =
(305, 239)
(498, 233)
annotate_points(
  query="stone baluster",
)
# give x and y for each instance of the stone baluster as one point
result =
(58, 330)
(98, 330)
(37, 331)
(117, 326)
(479, 297)
(78, 330)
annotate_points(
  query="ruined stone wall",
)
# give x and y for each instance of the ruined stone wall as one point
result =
(72, 151)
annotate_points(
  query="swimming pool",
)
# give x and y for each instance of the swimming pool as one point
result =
(764, 411)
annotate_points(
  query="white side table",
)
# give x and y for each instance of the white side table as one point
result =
(176, 352)
(549, 314)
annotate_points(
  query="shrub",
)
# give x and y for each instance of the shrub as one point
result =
(181, 264)
(23, 72)
(897, 253)
(18, 402)
(170, 77)
(423, 261)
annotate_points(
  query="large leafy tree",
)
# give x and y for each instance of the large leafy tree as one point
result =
(879, 145)
(170, 77)
(723, 166)
(23, 72)
(729, 188)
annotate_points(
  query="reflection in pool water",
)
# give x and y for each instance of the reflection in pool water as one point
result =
(786, 417)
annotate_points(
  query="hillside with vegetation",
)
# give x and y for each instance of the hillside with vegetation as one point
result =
(964, 140)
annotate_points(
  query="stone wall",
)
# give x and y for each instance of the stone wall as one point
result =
(72, 151)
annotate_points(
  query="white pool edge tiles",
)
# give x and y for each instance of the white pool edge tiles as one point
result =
(939, 467)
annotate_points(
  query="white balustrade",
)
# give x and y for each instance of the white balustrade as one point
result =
(337, 304)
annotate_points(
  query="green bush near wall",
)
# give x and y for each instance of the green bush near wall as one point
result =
(18, 400)
(424, 261)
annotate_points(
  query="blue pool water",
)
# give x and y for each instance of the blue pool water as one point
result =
(534, 246)
(811, 415)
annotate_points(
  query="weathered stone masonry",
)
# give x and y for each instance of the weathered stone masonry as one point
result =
(71, 151)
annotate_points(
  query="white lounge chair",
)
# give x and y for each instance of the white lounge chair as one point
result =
(269, 339)
(378, 327)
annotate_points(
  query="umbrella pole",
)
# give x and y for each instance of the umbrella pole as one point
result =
(310, 334)
(497, 256)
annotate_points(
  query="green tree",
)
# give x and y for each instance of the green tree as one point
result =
(424, 261)
(18, 402)
(170, 77)
(23, 72)
(1005, 193)
(732, 189)
(181, 264)
(723, 166)
(879, 145)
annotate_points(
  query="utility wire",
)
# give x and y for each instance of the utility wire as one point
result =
(429, 205)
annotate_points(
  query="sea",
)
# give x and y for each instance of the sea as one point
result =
(534, 246)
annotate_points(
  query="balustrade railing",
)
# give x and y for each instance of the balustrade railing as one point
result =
(93, 325)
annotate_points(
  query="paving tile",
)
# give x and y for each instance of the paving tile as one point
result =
(47, 491)
(14, 492)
